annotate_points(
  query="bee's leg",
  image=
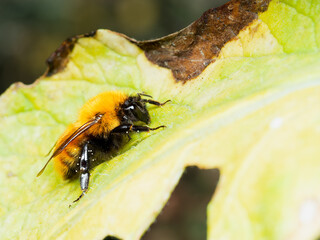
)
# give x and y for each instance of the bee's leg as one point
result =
(84, 171)
(155, 102)
(126, 128)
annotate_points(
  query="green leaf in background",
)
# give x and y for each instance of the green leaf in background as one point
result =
(253, 112)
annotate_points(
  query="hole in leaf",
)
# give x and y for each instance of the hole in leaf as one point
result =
(111, 238)
(185, 214)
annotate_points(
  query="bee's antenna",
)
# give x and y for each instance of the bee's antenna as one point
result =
(145, 95)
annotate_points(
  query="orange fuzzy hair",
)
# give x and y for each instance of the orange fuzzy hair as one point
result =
(106, 103)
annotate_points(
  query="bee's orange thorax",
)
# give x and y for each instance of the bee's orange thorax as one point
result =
(106, 103)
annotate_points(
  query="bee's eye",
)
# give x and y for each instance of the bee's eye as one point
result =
(129, 108)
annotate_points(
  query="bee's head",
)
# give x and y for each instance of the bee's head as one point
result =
(134, 109)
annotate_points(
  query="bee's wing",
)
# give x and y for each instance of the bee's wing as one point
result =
(53, 147)
(73, 136)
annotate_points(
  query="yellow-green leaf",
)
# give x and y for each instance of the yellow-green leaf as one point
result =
(253, 111)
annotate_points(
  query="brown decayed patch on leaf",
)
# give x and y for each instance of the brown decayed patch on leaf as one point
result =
(59, 58)
(188, 52)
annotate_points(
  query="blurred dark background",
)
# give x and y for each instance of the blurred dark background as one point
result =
(30, 30)
(184, 217)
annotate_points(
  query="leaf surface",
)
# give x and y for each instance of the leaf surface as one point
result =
(252, 111)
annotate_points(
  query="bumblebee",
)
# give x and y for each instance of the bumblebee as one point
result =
(103, 127)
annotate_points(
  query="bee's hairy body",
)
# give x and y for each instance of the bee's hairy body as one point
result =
(67, 162)
(102, 128)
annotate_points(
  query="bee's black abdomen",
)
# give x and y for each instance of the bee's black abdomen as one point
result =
(103, 149)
